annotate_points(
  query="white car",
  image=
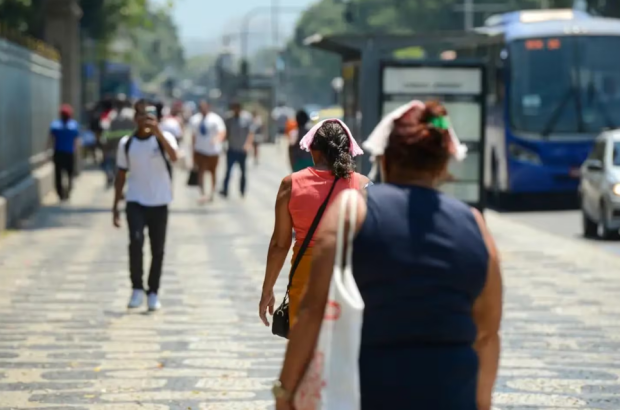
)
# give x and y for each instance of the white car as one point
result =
(599, 188)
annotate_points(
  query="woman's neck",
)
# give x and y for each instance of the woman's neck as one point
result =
(321, 167)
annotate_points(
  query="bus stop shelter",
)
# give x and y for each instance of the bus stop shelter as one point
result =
(365, 61)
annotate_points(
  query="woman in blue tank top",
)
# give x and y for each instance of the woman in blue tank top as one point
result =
(428, 271)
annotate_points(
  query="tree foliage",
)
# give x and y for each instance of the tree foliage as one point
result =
(149, 31)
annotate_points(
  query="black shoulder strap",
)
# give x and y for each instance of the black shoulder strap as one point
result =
(163, 154)
(127, 144)
(310, 234)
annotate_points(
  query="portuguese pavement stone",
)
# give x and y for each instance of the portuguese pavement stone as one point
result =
(67, 340)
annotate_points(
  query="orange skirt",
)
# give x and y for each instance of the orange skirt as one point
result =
(300, 280)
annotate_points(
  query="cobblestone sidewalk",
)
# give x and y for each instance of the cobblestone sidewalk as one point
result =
(68, 342)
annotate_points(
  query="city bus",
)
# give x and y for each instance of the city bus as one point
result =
(554, 85)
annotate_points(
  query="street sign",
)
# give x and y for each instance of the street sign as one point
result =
(460, 87)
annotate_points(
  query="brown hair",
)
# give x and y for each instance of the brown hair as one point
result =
(333, 142)
(417, 145)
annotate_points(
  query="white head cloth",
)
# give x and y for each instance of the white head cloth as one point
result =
(378, 139)
(306, 141)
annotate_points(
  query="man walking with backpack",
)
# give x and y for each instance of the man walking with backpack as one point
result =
(143, 161)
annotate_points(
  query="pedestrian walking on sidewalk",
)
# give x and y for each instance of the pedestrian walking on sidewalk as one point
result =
(299, 158)
(428, 271)
(143, 160)
(240, 139)
(64, 140)
(258, 129)
(209, 132)
(299, 205)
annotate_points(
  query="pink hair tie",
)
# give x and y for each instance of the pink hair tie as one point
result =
(306, 141)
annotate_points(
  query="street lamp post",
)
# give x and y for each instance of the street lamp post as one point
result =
(247, 19)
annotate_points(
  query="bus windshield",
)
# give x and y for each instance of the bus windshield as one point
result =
(565, 85)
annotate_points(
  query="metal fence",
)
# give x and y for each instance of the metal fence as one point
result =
(29, 99)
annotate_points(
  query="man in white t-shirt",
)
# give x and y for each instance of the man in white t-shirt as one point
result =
(209, 131)
(143, 161)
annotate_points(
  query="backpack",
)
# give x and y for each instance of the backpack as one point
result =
(161, 150)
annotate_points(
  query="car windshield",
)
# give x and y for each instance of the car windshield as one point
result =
(565, 85)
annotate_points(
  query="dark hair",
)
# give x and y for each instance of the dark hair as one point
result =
(302, 119)
(416, 144)
(333, 142)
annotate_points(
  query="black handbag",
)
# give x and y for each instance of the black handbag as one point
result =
(281, 325)
(192, 180)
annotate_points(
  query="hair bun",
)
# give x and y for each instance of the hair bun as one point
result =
(433, 110)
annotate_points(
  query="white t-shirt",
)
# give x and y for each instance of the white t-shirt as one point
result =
(206, 131)
(148, 180)
(172, 125)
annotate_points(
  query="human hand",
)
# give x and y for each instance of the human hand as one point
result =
(282, 404)
(152, 125)
(116, 218)
(267, 301)
(247, 147)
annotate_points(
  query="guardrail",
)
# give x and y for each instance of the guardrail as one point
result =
(33, 44)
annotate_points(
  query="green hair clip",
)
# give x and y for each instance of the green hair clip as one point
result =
(442, 123)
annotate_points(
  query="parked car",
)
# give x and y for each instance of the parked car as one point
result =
(599, 188)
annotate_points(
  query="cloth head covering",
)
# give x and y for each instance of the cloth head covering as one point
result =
(306, 141)
(378, 139)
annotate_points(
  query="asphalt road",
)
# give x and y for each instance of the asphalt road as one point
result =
(564, 223)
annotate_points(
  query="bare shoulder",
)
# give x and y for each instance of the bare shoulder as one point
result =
(286, 186)
(486, 234)
(363, 180)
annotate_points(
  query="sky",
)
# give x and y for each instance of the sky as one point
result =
(203, 23)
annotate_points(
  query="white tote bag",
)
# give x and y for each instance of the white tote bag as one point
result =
(332, 380)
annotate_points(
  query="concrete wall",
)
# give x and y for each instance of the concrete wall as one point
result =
(29, 100)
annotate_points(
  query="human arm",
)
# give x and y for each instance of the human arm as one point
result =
(487, 314)
(304, 334)
(221, 130)
(119, 181)
(76, 140)
(249, 140)
(168, 143)
(364, 182)
(279, 246)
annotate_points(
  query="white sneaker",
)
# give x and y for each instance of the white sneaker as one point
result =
(153, 302)
(137, 299)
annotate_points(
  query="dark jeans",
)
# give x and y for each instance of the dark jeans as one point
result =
(155, 219)
(108, 165)
(64, 163)
(232, 157)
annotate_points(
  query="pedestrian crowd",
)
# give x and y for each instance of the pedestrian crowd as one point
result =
(396, 276)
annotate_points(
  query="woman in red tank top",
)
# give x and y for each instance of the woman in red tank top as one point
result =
(299, 198)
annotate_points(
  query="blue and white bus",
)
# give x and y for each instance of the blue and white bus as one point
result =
(554, 85)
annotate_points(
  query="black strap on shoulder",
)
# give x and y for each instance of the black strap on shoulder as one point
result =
(127, 144)
(161, 150)
(163, 154)
(310, 234)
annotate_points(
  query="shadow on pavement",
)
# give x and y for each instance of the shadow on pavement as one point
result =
(534, 203)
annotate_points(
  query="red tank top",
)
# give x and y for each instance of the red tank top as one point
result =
(310, 188)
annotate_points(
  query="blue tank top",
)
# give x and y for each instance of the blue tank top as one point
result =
(420, 262)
